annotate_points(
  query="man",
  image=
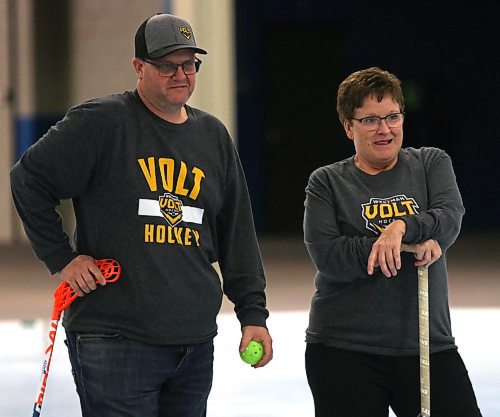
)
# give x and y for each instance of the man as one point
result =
(370, 221)
(157, 185)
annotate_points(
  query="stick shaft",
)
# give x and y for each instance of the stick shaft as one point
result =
(45, 367)
(424, 341)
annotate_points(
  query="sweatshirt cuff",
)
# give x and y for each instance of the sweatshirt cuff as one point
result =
(253, 317)
(58, 260)
(411, 235)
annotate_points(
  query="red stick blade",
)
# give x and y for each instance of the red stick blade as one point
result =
(111, 269)
(64, 294)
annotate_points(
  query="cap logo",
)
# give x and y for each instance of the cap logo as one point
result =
(185, 31)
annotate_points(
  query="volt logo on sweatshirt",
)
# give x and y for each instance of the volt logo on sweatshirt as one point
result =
(380, 212)
(169, 179)
(173, 177)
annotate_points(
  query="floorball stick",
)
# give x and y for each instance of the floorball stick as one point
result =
(424, 341)
(63, 297)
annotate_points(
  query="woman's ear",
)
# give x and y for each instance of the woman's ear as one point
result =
(348, 129)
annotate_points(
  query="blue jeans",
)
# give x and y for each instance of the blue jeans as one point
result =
(119, 377)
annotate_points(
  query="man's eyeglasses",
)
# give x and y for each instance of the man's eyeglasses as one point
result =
(168, 69)
(373, 122)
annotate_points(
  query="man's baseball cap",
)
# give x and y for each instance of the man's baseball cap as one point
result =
(162, 34)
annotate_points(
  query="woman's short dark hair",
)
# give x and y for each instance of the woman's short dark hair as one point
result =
(361, 84)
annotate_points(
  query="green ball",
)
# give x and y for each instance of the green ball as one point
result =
(252, 353)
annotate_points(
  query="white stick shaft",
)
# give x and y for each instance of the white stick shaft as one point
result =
(45, 368)
(424, 341)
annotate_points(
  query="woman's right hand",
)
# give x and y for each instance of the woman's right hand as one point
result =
(426, 253)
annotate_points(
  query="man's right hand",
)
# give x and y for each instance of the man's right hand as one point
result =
(81, 274)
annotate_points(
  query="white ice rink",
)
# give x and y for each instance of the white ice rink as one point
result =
(278, 390)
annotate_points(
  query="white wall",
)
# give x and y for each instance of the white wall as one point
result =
(103, 45)
(15, 74)
(6, 214)
(213, 25)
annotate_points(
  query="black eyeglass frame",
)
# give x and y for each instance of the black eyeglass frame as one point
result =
(379, 119)
(159, 66)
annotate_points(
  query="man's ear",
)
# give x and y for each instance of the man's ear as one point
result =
(138, 66)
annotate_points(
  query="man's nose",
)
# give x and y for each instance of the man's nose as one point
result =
(179, 73)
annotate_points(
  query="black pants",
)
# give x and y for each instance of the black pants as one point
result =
(345, 383)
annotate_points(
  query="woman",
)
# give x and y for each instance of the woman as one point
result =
(369, 221)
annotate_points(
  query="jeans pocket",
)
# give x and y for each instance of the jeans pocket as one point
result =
(89, 336)
(92, 347)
